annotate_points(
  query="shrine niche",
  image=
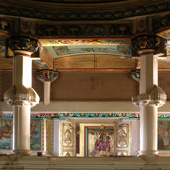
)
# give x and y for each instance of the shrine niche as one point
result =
(105, 140)
(99, 142)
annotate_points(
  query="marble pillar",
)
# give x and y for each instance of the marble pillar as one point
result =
(21, 96)
(151, 95)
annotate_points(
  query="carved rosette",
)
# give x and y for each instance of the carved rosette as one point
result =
(145, 44)
(156, 97)
(22, 45)
(47, 75)
(21, 96)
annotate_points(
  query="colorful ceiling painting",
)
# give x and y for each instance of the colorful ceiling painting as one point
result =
(165, 34)
(54, 48)
(115, 50)
(41, 64)
(84, 42)
(47, 57)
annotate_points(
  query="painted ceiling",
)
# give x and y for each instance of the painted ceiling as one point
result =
(55, 48)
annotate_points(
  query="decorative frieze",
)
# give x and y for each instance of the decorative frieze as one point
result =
(76, 15)
(84, 30)
(80, 115)
(161, 23)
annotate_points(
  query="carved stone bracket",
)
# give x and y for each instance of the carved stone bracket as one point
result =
(145, 43)
(156, 97)
(135, 74)
(47, 75)
(22, 45)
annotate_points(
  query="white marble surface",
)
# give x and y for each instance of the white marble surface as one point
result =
(62, 163)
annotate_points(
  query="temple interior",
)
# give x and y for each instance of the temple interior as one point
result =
(85, 84)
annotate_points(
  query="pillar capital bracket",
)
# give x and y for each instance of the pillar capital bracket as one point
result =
(145, 43)
(47, 75)
(22, 45)
(156, 97)
(135, 74)
(21, 96)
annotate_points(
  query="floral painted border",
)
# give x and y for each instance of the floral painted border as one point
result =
(85, 115)
(77, 115)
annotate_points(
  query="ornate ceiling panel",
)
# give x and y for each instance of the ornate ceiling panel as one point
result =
(82, 11)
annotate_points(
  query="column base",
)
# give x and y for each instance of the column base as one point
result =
(22, 152)
(148, 153)
(47, 153)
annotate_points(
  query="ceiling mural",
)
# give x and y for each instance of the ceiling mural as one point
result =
(47, 57)
(115, 50)
(87, 41)
(41, 64)
(57, 48)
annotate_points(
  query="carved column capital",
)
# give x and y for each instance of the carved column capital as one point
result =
(156, 97)
(47, 75)
(145, 44)
(21, 96)
(22, 45)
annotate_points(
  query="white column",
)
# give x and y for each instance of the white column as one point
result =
(21, 96)
(148, 113)
(148, 72)
(148, 130)
(21, 129)
(150, 98)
